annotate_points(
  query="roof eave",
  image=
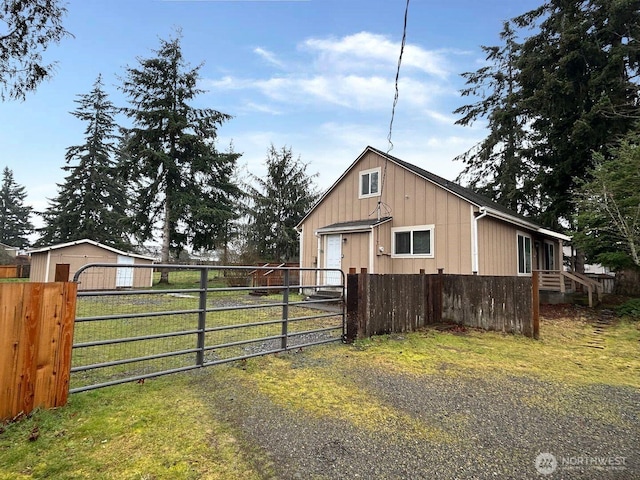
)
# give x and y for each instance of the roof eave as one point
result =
(523, 223)
(91, 242)
(353, 228)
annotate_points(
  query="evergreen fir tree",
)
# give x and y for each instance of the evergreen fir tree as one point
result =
(15, 222)
(497, 167)
(569, 89)
(181, 180)
(92, 201)
(28, 27)
(579, 79)
(277, 204)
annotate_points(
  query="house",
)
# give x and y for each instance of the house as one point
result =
(389, 216)
(60, 263)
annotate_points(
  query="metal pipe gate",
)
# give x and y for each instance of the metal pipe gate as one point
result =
(208, 315)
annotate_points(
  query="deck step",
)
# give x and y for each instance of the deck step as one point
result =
(327, 294)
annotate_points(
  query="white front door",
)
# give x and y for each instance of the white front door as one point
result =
(124, 276)
(333, 259)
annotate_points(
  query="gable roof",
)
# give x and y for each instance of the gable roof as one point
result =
(492, 208)
(90, 242)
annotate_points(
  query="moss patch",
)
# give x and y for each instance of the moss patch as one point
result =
(316, 391)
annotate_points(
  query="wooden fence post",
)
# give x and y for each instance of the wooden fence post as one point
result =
(352, 306)
(364, 315)
(535, 303)
(439, 296)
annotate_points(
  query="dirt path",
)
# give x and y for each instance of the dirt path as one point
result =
(437, 426)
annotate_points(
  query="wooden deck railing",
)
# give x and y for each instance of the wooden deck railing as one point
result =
(557, 280)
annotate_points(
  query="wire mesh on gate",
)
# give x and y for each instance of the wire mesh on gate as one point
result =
(204, 316)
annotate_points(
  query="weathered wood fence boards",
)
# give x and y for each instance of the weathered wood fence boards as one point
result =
(397, 303)
(36, 335)
(378, 304)
(492, 303)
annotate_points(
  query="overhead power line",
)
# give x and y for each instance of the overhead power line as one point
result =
(393, 112)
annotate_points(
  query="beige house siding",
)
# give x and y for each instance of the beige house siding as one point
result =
(81, 254)
(497, 247)
(355, 250)
(37, 272)
(411, 201)
(470, 234)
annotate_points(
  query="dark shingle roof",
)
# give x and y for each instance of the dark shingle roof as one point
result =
(354, 225)
(459, 190)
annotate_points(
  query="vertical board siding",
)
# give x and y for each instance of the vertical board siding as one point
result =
(36, 334)
(401, 303)
(410, 200)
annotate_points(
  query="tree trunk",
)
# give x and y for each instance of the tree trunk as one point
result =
(164, 254)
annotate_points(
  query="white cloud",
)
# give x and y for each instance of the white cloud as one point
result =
(261, 108)
(369, 51)
(269, 57)
(357, 92)
(355, 72)
(334, 98)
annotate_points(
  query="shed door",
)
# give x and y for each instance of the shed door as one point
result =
(333, 258)
(62, 272)
(124, 276)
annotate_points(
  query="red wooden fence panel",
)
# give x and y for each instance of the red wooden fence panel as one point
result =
(36, 336)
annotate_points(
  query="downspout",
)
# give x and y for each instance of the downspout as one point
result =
(474, 250)
(46, 272)
(318, 259)
(301, 256)
(372, 252)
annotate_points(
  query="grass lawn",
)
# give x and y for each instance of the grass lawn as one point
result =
(162, 429)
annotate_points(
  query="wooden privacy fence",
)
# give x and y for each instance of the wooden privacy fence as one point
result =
(379, 304)
(14, 271)
(36, 335)
(8, 271)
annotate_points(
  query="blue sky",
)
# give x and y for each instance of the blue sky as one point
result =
(316, 76)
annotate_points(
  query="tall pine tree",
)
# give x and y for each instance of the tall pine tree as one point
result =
(579, 79)
(15, 222)
(92, 201)
(576, 82)
(497, 167)
(277, 204)
(181, 181)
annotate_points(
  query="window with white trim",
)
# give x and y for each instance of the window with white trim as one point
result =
(370, 183)
(524, 254)
(416, 241)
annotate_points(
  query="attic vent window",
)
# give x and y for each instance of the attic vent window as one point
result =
(370, 183)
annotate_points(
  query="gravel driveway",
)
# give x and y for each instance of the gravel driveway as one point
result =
(492, 427)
